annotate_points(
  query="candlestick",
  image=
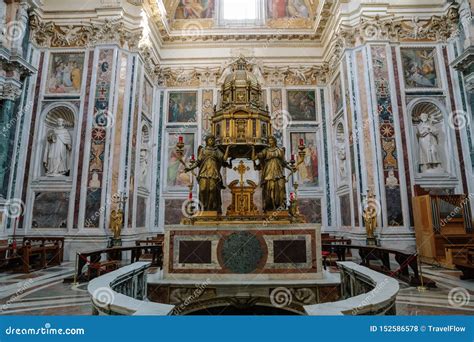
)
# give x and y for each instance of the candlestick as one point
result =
(180, 139)
(301, 141)
(292, 157)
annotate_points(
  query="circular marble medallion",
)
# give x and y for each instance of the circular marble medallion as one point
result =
(241, 252)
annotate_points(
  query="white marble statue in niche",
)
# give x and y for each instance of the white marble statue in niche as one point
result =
(144, 159)
(57, 154)
(341, 156)
(428, 141)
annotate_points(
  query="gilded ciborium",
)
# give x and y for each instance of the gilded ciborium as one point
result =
(241, 119)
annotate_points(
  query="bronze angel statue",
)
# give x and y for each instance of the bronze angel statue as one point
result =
(210, 160)
(272, 165)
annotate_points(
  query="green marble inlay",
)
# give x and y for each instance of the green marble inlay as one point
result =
(242, 252)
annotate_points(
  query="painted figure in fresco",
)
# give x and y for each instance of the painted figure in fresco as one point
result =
(76, 76)
(57, 152)
(210, 161)
(272, 165)
(420, 70)
(278, 9)
(65, 76)
(297, 9)
(428, 137)
(192, 9)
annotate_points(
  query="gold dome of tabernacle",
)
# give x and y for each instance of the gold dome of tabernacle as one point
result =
(241, 118)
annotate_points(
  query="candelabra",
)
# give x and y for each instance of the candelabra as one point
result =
(180, 156)
(294, 166)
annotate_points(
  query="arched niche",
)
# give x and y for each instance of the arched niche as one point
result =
(340, 154)
(144, 156)
(429, 139)
(57, 140)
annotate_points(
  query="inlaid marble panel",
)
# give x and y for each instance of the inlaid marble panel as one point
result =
(50, 210)
(141, 211)
(173, 211)
(310, 208)
(345, 208)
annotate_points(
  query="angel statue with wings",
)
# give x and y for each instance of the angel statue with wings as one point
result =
(210, 160)
(272, 165)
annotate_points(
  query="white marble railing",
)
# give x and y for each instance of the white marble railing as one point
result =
(123, 292)
(366, 292)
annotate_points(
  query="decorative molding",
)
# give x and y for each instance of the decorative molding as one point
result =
(201, 31)
(303, 75)
(13, 70)
(394, 29)
(113, 31)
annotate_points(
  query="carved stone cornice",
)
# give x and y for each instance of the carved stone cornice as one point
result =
(152, 68)
(271, 76)
(394, 29)
(49, 34)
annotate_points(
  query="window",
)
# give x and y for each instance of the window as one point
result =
(239, 9)
(241, 12)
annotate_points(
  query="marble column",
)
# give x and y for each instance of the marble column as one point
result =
(6, 117)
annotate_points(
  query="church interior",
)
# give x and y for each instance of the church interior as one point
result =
(236, 157)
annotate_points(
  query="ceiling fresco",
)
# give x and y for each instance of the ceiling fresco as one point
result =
(283, 14)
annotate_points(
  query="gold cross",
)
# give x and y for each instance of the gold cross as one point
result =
(241, 169)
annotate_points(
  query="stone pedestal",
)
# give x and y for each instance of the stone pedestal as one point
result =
(243, 252)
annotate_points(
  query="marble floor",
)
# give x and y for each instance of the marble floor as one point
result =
(44, 293)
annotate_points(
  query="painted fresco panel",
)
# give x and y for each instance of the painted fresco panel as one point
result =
(195, 9)
(278, 9)
(308, 171)
(65, 73)
(336, 93)
(182, 107)
(175, 175)
(302, 105)
(420, 67)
